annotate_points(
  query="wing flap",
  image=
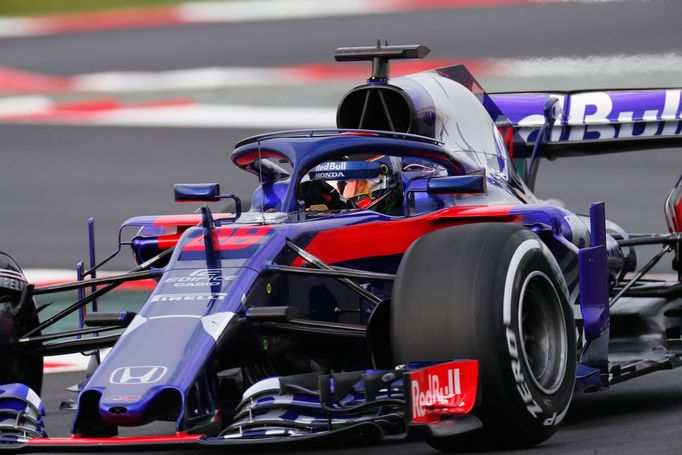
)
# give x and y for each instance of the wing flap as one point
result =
(595, 121)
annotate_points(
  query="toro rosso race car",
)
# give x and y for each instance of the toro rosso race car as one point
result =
(393, 278)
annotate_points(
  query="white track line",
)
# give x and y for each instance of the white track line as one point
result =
(14, 27)
(234, 116)
(236, 77)
(212, 78)
(590, 66)
(268, 10)
(24, 105)
(189, 79)
(40, 109)
(193, 115)
(42, 277)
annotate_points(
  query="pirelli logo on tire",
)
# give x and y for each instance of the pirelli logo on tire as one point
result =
(531, 405)
(516, 364)
(11, 280)
(11, 284)
(533, 310)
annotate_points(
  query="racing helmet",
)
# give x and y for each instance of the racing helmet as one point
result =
(370, 183)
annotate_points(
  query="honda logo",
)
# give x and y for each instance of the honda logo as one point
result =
(137, 375)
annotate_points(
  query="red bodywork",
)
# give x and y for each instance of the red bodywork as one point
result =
(135, 441)
(444, 389)
(386, 238)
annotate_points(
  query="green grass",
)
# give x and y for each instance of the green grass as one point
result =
(41, 7)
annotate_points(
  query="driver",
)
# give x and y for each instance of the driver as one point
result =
(372, 184)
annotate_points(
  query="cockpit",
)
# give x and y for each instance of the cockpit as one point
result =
(339, 171)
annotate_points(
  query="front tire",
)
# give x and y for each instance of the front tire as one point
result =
(494, 293)
(16, 319)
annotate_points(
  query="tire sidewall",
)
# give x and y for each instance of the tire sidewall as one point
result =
(533, 412)
(15, 320)
(448, 303)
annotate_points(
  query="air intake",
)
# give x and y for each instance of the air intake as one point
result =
(376, 107)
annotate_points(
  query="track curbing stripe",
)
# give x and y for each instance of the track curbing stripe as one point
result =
(236, 12)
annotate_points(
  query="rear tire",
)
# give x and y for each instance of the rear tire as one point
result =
(15, 320)
(494, 293)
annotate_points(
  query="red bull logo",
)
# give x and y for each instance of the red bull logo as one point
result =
(443, 389)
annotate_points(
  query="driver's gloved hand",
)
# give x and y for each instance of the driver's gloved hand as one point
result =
(316, 192)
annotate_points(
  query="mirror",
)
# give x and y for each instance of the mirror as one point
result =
(457, 184)
(197, 192)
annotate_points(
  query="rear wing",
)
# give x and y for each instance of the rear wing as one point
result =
(590, 122)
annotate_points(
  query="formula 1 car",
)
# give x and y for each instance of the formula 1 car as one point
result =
(395, 277)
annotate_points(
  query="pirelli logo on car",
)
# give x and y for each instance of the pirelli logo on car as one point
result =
(196, 297)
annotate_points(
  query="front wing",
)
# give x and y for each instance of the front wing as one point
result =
(425, 400)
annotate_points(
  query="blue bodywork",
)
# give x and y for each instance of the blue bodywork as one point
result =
(165, 354)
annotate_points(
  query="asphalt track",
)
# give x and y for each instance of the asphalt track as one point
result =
(53, 178)
(642, 416)
(515, 31)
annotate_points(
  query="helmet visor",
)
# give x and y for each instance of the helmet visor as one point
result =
(362, 187)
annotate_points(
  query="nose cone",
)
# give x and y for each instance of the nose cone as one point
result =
(159, 403)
